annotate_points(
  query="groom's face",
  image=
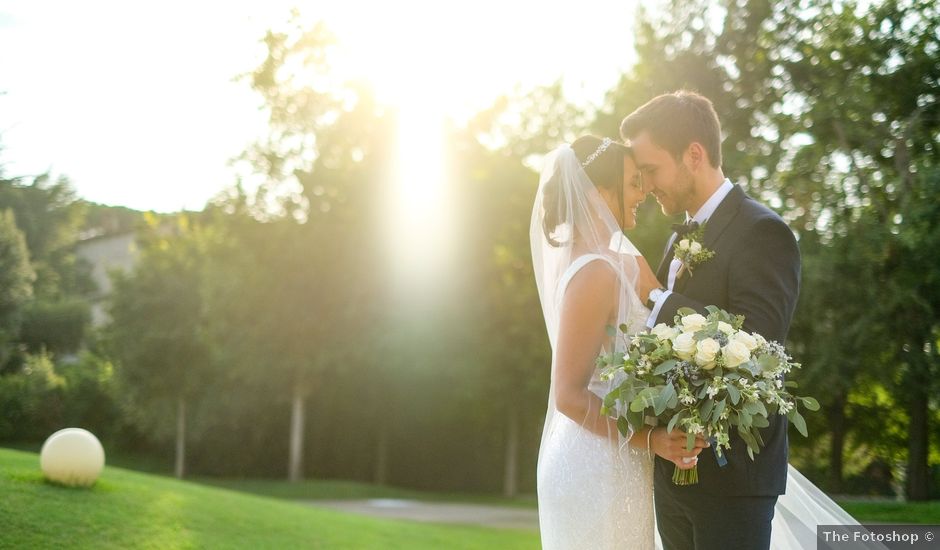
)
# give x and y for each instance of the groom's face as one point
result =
(667, 178)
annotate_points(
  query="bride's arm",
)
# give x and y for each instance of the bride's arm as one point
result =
(589, 301)
(586, 308)
(669, 446)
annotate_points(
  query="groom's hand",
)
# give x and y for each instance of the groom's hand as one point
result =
(646, 280)
(671, 446)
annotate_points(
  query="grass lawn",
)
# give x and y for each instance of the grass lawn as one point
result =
(874, 512)
(341, 490)
(127, 509)
(894, 512)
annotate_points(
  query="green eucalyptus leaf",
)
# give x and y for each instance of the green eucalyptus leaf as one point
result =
(668, 392)
(665, 367)
(734, 394)
(706, 409)
(719, 408)
(797, 419)
(623, 426)
(674, 420)
(745, 418)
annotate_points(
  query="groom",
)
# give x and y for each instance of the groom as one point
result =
(754, 272)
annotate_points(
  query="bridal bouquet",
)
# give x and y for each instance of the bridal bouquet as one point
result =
(706, 376)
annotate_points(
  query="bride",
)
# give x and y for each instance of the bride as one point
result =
(595, 487)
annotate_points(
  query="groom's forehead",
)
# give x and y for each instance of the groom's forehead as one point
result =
(649, 155)
(644, 143)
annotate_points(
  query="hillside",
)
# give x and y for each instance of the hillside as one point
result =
(127, 509)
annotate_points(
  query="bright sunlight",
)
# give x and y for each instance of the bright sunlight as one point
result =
(436, 63)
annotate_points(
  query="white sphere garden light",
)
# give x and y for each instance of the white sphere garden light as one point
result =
(73, 457)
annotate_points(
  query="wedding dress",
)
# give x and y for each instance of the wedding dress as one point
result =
(593, 492)
(596, 492)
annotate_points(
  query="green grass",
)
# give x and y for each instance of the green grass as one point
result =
(128, 509)
(343, 490)
(894, 512)
(876, 512)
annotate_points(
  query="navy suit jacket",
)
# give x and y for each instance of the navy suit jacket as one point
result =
(755, 272)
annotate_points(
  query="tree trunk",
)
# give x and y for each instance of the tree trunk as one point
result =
(380, 475)
(180, 469)
(917, 471)
(510, 481)
(295, 460)
(837, 428)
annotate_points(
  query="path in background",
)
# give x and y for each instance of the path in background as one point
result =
(436, 512)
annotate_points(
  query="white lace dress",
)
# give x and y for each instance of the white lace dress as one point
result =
(592, 494)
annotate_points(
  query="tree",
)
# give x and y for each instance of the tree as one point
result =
(157, 331)
(50, 216)
(16, 282)
(830, 113)
(324, 158)
(866, 80)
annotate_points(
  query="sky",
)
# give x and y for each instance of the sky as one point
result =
(138, 105)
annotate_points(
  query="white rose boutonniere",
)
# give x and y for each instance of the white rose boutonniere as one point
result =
(690, 250)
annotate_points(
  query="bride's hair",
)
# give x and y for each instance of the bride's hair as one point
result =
(605, 172)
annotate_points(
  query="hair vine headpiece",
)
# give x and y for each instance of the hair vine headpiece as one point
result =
(600, 149)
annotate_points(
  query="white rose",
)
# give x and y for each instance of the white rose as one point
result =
(664, 331)
(695, 248)
(684, 244)
(725, 327)
(684, 346)
(746, 339)
(693, 323)
(735, 353)
(706, 351)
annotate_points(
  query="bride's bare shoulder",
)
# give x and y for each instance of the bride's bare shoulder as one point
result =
(593, 282)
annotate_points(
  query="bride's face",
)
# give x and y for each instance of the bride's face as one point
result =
(633, 193)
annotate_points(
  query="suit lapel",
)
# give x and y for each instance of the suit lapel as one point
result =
(718, 222)
(715, 225)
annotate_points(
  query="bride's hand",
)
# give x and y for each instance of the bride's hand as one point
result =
(646, 280)
(671, 446)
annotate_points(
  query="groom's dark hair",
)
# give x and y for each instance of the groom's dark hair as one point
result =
(676, 120)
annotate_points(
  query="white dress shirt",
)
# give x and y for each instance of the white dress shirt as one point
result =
(701, 217)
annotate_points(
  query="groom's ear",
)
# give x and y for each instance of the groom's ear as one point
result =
(695, 156)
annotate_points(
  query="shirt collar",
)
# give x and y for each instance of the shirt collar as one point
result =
(712, 203)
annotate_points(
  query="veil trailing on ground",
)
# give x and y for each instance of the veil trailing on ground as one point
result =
(801, 510)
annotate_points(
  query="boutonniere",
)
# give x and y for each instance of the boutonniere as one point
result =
(690, 250)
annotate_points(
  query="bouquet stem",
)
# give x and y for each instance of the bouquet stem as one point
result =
(685, 477)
